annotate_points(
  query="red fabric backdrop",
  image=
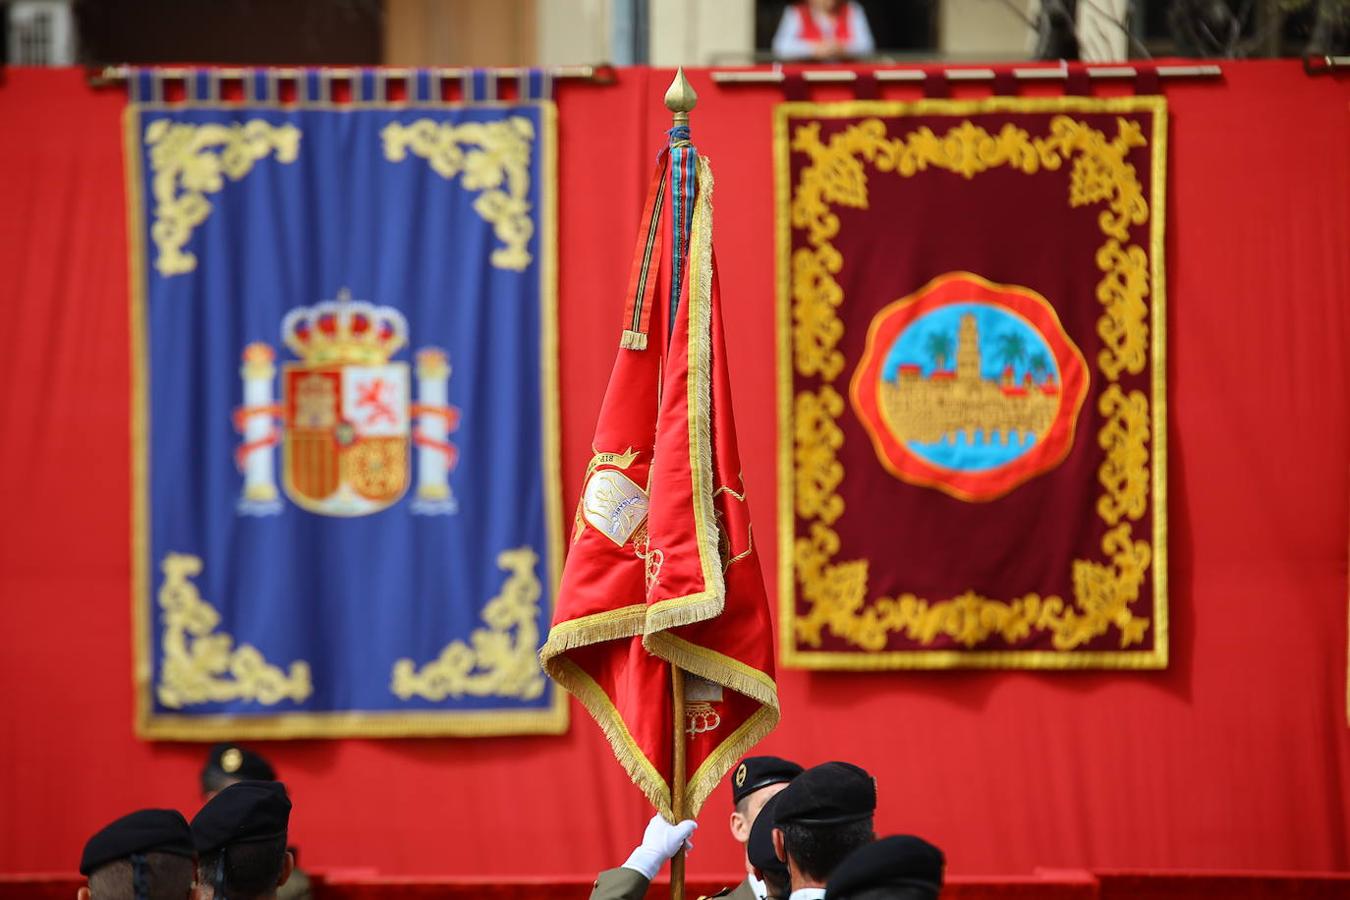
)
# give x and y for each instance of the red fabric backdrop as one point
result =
(1238, 756)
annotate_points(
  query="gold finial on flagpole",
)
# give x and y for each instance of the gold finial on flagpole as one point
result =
(680, 98)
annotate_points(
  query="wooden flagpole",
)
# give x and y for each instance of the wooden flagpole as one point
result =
(677, 779)
(680, 100)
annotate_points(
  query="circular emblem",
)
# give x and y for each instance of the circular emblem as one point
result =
(231, 760)
(969, 387)
(740, 775)
(376, 468)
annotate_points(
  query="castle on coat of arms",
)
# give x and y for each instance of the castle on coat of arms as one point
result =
(948, 404)
(347, 416)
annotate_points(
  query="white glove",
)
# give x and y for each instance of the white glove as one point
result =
(660, 842)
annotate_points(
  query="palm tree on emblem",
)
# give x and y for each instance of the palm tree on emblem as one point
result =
(939, 345)
(1039, 365)
(1011, 350)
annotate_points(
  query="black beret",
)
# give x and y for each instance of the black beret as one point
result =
(759, 848)
(757, 772)
(899, 861)
(242, 813)
(831, 793)
(234, 761)
(144, 831)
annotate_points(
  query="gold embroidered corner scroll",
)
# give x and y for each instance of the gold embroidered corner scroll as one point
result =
(500, 659)
(836, 591)
(189, 161)
(201, 665)
(498, 166)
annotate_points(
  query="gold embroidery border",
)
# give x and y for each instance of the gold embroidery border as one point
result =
(409, 141)
(173, 209)
(466, 665)
(789, 655)
(192, 646)
(552, 719)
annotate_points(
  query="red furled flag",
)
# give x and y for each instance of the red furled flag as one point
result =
(662, 571)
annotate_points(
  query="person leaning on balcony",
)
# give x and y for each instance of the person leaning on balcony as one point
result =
(823, 30)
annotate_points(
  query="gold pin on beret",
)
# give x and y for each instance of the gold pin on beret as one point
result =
(740, 775)
(231, 760)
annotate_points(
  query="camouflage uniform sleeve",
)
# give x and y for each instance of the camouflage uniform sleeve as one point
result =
(620, 884)
(297, 887)
(742, 891)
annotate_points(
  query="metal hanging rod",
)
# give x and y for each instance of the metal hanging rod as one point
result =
(1325, 65)
(1039, 73)
(600, 74)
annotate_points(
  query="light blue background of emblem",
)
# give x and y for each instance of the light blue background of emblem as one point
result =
(348, 596)
(911, 348)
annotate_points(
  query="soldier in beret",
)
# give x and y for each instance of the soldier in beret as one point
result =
(820, 818)
(240, 837)
(228, 764)
(771, 871)
(146, 855)
(660, 842)
(901, 867)
(756, 780)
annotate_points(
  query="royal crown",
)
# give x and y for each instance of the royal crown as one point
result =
(344, 331)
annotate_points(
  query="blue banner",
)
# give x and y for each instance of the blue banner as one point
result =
(345, 418)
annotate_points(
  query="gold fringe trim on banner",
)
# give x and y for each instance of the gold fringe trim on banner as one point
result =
(711, 601)
(633, 340)
(654, 622)
(705, 780)
(626, 751)
(611, 625)
(732, 674)
(714, 666)
(708, 603)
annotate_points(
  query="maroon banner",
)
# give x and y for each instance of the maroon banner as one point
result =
(971, 383)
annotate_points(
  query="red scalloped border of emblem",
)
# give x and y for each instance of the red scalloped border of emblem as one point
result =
(946, 290)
